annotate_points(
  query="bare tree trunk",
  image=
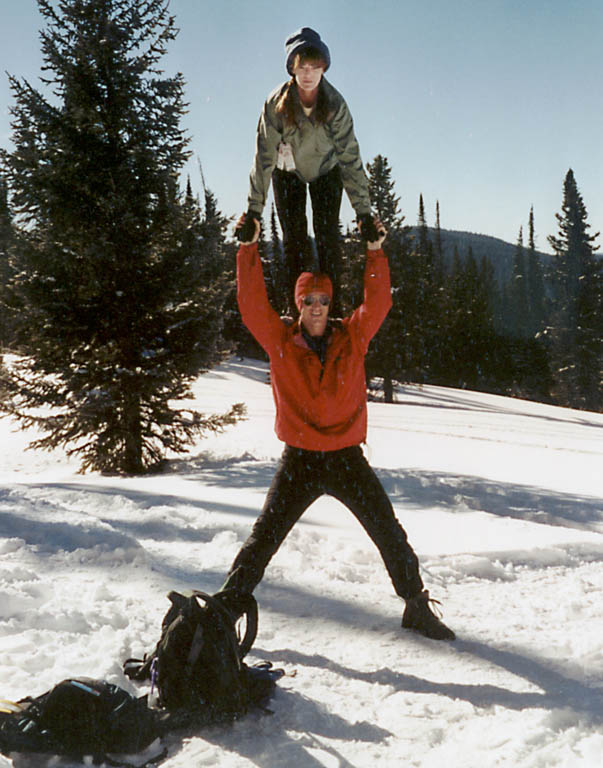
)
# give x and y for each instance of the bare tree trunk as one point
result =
(388, 389)
(132, 458)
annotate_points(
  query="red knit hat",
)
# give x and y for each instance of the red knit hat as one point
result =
(312, 282)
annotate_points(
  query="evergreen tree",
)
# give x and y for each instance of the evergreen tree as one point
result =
(424, 299)
(441, 308)
(113, 314)
(518, 292)
(238, 338)
(264, 253)
(423, 243)
(353, 259)
(483, 311)
(577, 320)
(6, 226)
(277, 265)
(6, 240)
(205, 242)
(207, 248)
(388, 353)
(470, 329)
(213, 234)
(213, 227)
(535, 282)
(438, 250)
(381, 190)
(501, 309)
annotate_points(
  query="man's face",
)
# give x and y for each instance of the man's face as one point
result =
(314, 313)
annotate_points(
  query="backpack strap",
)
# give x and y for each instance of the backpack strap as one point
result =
(195, 649)
(247, 608)
(238, 605)
(228, 603)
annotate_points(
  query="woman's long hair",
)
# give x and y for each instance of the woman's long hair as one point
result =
(288, 104)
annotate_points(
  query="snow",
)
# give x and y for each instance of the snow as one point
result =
(501, 498)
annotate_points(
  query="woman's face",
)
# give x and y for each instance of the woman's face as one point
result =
(308, 75)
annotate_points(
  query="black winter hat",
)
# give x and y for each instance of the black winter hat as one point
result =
(299, 41)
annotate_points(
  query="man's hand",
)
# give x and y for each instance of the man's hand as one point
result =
(381, 232)
(247, 229)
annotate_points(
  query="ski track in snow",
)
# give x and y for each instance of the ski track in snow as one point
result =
(501, 498)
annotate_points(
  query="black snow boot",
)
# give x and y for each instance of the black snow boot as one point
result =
(419, 616)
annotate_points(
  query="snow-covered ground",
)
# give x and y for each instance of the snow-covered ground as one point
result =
(501, 498)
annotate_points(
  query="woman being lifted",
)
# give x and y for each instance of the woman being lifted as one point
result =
(305, 140)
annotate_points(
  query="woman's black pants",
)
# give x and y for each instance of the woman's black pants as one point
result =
(290, 200)
(301, 477)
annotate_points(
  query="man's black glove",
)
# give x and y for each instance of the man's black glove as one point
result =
(368, 230)
(246, 233)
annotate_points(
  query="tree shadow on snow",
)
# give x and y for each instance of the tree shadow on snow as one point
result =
(250, 369)
(175, 529)
(455, 400)
(449, 491)
(266, 740)
(557, 690)
(427, 489)
(50, 537)
(243, 471)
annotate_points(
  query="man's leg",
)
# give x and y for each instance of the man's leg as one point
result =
(326, 193)
(290, 200)
(292, 491)
(355, 484)
(352, 481)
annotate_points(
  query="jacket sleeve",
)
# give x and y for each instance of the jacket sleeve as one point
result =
(346, 146)
(367, 318)
(256, 312)
(268, 137)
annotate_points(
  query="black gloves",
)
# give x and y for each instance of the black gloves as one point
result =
(246, 233)
(368, 230)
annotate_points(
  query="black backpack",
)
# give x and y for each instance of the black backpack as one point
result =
(197, 665)
(78, 717)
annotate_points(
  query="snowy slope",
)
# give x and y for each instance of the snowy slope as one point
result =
(503, 501)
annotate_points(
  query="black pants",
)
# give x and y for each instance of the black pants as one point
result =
(290, 200)
(303, 476)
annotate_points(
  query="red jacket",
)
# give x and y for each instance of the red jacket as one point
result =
(317, 408)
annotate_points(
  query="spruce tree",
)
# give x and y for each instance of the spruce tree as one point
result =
(277, 265)
(437, 245)
(264, 253)
(453, 330)
(441, 321)
(424, 299)
(471, 327)
(423, 241)
(114, 318)
(388, 353)
(212, 232)
(352, 269)
(381, 190)
(576, 326)
(518, 292)
(535, 281)
(6, 241)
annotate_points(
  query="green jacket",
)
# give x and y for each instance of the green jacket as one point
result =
(317, 149)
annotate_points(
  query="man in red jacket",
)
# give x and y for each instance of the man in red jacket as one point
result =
(318, 382)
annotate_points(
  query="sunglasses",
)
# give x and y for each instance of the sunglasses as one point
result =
(323, 299)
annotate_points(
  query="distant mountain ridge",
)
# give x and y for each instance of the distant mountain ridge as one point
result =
(497, 251)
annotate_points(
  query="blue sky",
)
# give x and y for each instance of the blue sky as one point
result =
(482, 105)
